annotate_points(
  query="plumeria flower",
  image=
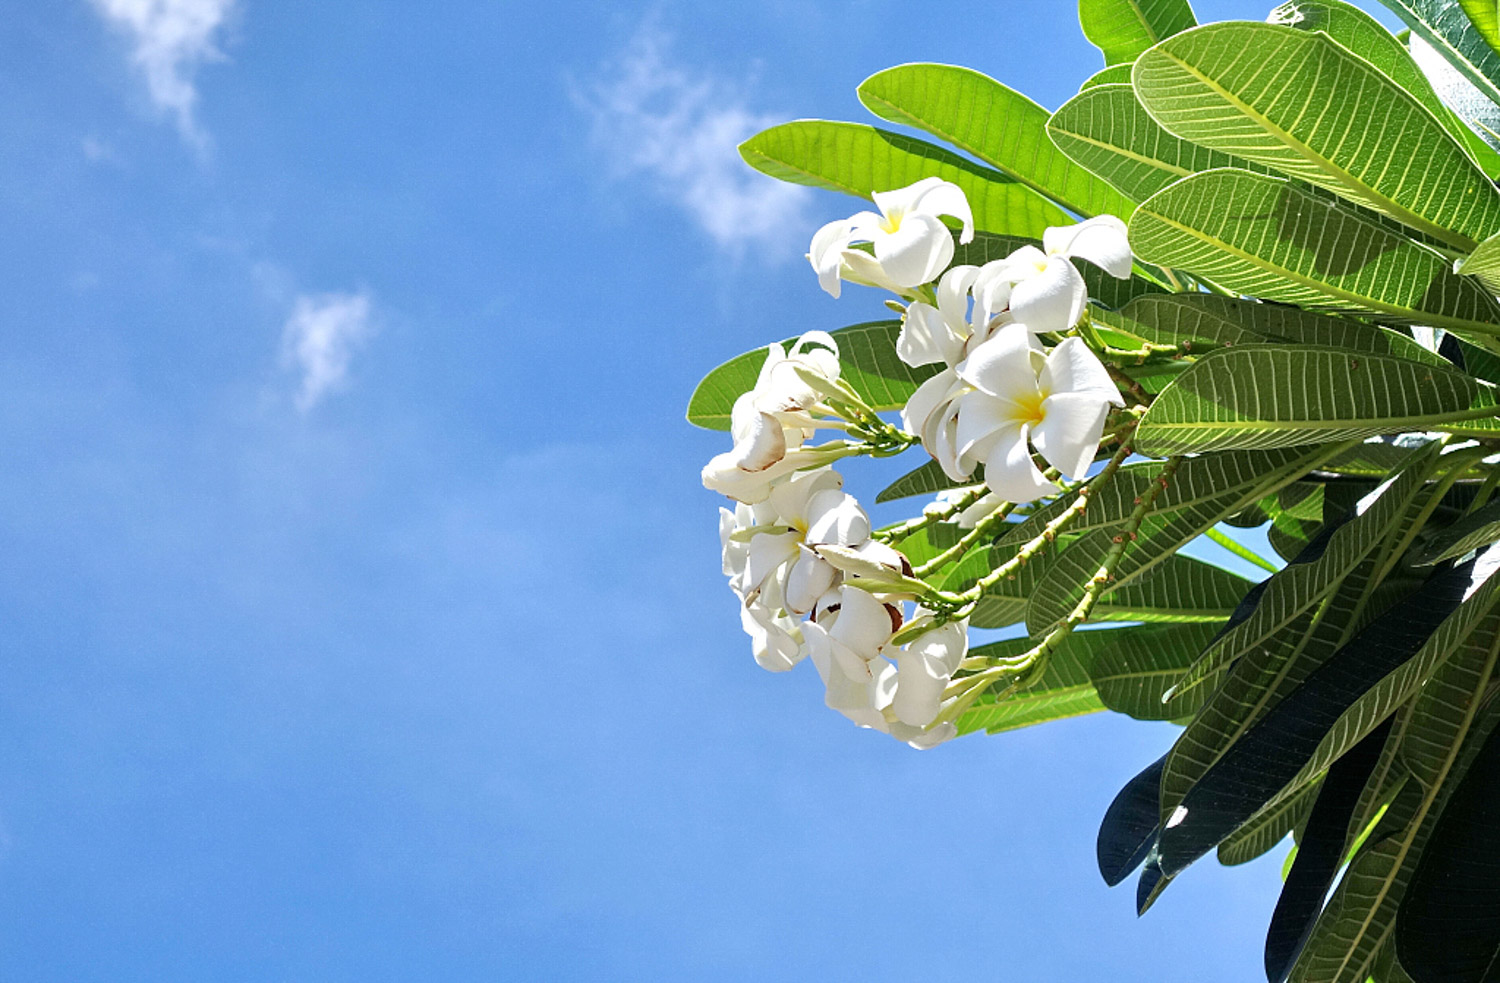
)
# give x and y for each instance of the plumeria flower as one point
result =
(1010, 406)
(1041, 287)
(770, 422)
(947, 332)
(845, 637)
(900, 699)
(910, 245)
(924, 667)
(770, 559)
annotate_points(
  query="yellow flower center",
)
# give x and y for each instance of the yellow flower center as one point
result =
(1030, 406)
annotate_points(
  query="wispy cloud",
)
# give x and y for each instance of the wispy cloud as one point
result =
(320, 338)
(681, 128)
(171, 39)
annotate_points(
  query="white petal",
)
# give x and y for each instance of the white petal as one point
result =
(1010, 472)
(772, 641)
(809, 578)
(945, 198)
(1073, 368)
(922, 403)
(916, 252)
(1052, 300)
(836, 517)
(925, 337)
(953, 299)
(924, 740)
(1068, 436)
(920, 682)
(1002, 367)
(897, 202)
(980, 416)
(861, 267)
(825, 253)
(1103, 240)
(864, 623)
(768, 553)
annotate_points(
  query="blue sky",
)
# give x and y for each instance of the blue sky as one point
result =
(360, 615)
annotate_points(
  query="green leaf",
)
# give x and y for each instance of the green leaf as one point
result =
(1199, 481)
(1484, 263)
(1106, 130)
(1264, 237)
(1475, 624)
(1259, 836)
(1133, 673)
(1259, 680)
(1112, 75)
(1300, 587)
(1466, 100)
(1122, 29)
(1188, 512)
(1154, 583)
(1470, 532)
(1063, 690)
(867, 361)
(859, 160)
(1261, 396)
(1208, 319)
(994, 123)
(1303, 104)
(1266, 762)
(1441, 737)
(928, 479)
(1447, 926)
(1445, 25)
(1366, 37)
(1320, 853)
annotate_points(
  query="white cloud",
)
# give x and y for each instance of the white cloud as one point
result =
(319, 339)
(682, 128)
(171, 39)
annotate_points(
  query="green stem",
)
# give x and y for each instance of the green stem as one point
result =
(1029, 664)
(984, 527)
(1043, 539)
(1242, 551)
(909, 528)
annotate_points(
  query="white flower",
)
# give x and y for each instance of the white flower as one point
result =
(901, 699)
(1060, 410)
(1041, 287)
(769, 422)
(923, 670)
(911, 245)
(946, 333)
(845, 637)
(771, 563)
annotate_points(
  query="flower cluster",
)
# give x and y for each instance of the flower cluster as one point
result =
(812, 577)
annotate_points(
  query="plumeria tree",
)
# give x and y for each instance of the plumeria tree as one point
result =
(1246, 278)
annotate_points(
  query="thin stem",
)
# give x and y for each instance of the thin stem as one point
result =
(1043, 539)
(984, 527)
(1241, 550)
(930, 516)
(1028, 665)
